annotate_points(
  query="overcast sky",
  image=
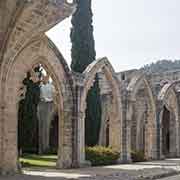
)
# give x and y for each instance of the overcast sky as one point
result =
(130, 33)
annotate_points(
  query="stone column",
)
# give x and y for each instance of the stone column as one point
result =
(177, 135)
(81, 139)
(159, 114)
(147, 140)
(115, 126)
(65, 140)
(128, 140)
(105, 118)
(173, 135)
(45, 115)
(9, 149)
(152, 130)
(178, 119)
(129, 123)
(127, 105)
(81, 160)
(150, 133)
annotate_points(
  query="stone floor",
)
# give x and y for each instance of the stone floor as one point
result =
(138, 171)
(171, 178)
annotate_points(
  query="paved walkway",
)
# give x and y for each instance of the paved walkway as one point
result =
(171, 178)
(138, 171)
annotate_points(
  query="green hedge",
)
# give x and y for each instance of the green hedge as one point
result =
(99, 155)
(137, 156)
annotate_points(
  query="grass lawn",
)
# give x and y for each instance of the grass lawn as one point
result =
(33, 160)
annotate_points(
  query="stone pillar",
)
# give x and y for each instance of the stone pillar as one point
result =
(128, 141)
(127, 121)
(81, 160)
(81, 139)
(105, 118)
(147, 140)
(177, 135)
(115, 126)
(65, 140)
(173, 135)
(178, 119)
(150, 133)
(45, 116)
(159, 114)
(9, 159)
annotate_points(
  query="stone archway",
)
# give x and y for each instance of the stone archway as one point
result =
(141, 118)
(115, 124)
(24, 22)
(44, 52)
(170, 114)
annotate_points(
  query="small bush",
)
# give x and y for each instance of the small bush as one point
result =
(99, 155)
(137, 156)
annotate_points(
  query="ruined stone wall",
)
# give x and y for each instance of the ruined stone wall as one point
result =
(22, 27)
(7, 13)
(25, 45)
(130, 100)
(144, 110)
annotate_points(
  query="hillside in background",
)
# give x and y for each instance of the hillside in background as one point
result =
(161, 66)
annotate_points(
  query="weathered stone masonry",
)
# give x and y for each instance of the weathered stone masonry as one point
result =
(133, 103)
(144, 97)
(25, 45)
(156, 91)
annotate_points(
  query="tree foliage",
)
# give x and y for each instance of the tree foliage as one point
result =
(161, 66)
(83, 53)
(27, 117)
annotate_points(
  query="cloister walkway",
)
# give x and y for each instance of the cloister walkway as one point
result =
(143, 170)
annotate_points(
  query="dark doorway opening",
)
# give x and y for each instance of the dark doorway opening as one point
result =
(166, 132)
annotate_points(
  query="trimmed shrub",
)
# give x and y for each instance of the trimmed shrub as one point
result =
(137, 156)
(99, 155)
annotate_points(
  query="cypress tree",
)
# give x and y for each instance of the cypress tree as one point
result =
(83, 53)
(27, 116)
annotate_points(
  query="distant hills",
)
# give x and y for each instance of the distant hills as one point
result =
(161, 66)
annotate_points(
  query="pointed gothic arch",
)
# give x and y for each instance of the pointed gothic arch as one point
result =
(39, 51)
(116, 122)
(146, 103)
(27, 23)
(169, 102)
